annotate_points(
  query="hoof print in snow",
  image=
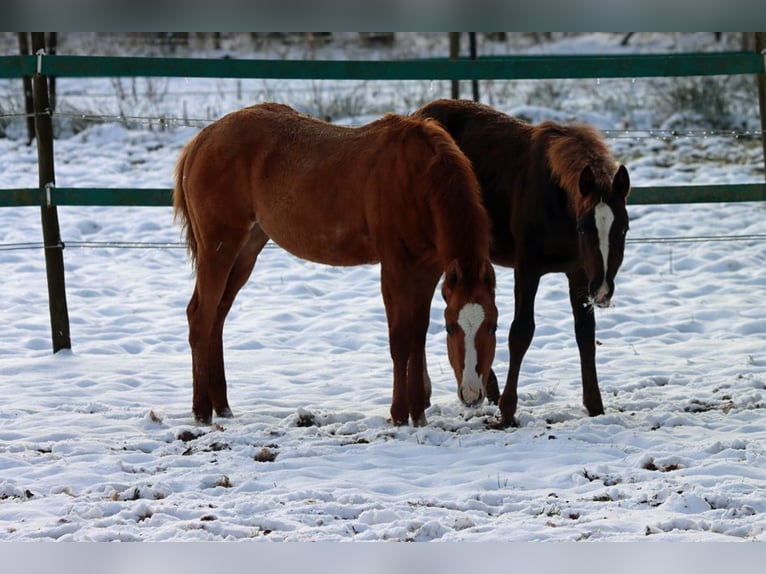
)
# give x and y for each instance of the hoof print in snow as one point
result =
(265, 455)
(305, 419)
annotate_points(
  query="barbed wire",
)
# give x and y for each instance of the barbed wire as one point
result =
(173, 121)
(679, 134)
(753, 237)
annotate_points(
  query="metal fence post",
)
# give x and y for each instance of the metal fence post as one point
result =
(54, 256)
(760, 47)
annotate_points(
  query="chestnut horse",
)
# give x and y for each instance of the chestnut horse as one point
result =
(397, 191)
(556, 198)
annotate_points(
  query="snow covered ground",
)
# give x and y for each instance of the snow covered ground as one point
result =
(98, 444)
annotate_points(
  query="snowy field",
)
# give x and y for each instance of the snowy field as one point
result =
(98, 444)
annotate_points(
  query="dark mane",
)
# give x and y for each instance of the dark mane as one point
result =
(463, 225)
(569, 149)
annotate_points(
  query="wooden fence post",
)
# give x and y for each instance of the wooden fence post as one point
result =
(760, 47)
(53, 246)
(51, 45)
(26, 81)
(474, 54)
(454, 53)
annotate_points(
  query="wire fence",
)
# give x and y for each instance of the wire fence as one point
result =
(615, 134)
(750, 238)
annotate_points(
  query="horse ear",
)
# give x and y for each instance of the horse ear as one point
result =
(488, 274)
(587, 181)
(621, 183)
(452, 276)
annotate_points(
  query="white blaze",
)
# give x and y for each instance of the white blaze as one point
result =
(470, 319)
(604, 219)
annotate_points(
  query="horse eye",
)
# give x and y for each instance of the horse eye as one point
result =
(450, 329)
(585, 225)
(492, 329)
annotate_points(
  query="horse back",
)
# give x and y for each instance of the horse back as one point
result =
(323, 192)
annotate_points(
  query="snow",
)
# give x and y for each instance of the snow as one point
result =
(98, 443)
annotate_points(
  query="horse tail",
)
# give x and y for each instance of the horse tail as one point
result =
(180, 210)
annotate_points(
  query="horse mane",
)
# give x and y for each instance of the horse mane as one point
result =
(463, 228)
(568, 150)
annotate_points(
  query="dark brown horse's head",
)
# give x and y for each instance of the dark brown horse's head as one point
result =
(602, 223)
(471, 323)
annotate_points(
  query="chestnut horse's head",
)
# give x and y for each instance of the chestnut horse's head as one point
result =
(471, 323)
(601, 227)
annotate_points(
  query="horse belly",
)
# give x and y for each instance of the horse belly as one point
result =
(331, 243)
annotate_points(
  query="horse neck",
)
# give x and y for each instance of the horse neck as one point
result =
(450, 192)
(461, 225)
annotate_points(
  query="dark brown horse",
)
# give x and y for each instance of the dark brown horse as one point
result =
(556, 198)
(396, 191)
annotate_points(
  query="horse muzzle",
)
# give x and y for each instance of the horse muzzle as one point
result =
(471, 392)
(602, 296)
(602, 303)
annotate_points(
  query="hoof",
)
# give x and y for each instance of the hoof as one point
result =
(420, 421)
(399, 417)
(502, 424)
(596, 412)
(224, 413)
(203, 420)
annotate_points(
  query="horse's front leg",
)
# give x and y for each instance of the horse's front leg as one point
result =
(408, 303)
(426, 384)
(585, 334)
(493, 391)
(409, 398)
(519, 339)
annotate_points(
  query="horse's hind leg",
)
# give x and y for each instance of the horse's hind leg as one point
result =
(240, 273)
(585, 334)
(221, 272)
(212, 274)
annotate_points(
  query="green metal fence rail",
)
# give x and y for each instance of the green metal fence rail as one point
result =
(61, 196)
(483, 68)
(162, 197)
